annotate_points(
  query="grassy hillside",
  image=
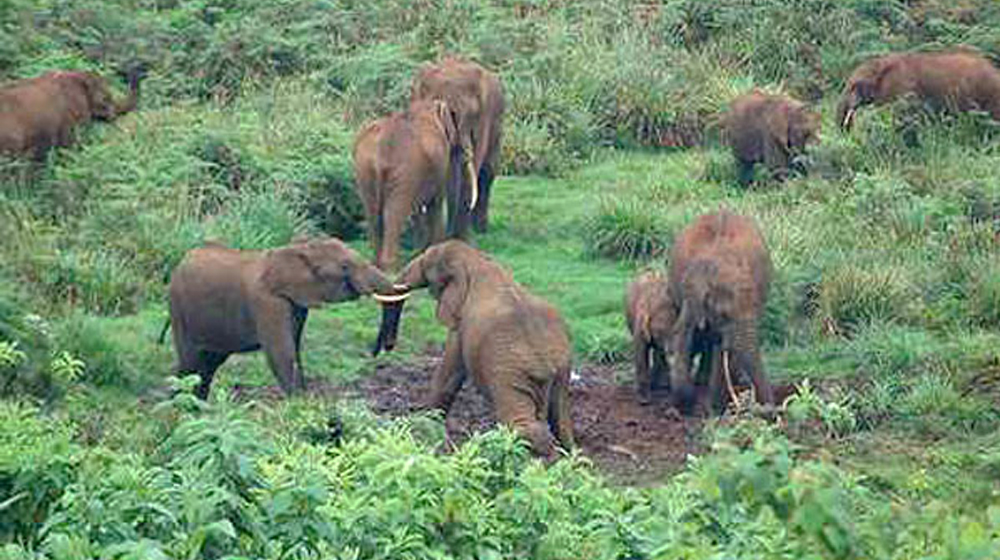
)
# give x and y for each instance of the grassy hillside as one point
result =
(885, 305)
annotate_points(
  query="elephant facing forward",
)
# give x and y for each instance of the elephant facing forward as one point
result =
(476, 96)
(650, 316)
(960, 80)
(720, 271)
(402, 165)
(225, 301)
(513, 344)
(767, 128)
(42, 113)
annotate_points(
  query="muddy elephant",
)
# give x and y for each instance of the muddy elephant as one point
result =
(226, 301)
(720, 271)
(650, 316)
(478, 99)
(770, 129)
(960, 79)
(513, 344)
(402, 165)
(42, 113)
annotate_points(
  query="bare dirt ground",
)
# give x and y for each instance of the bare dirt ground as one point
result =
(631, 443)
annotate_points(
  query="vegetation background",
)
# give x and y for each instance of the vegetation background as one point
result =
(885, 306)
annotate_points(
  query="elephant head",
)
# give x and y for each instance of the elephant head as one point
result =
(100, 103)
(445, 270)
(716, 307)
(866, 85)
(315, 272)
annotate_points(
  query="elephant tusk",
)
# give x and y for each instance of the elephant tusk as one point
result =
(394, 298)
(401, 287)
(848, 118)
(474, 181)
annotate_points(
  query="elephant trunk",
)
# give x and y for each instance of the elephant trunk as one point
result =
(392, 297)
(746, 358)
(681, 386)
(128, 104)
(846, 110)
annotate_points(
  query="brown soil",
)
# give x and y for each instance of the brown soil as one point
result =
(631, 443)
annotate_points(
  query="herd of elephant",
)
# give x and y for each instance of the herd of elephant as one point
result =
(443, 151)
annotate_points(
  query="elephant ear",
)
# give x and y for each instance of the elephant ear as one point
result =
(449, 120)
(449, 277)
(289, 272)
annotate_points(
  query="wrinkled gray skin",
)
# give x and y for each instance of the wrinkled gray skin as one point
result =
(720, 273)
(225, 301)
(512, 343)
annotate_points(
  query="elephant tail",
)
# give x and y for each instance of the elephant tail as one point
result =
(163, 331)
(560, 421)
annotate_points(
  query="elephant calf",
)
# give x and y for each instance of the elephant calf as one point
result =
(225, 301)
(959, 79)
(720, 271)
(650, 315)
(514, 344)
(767, 128)
(403, 164)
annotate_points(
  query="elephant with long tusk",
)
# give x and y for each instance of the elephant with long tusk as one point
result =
(476, 95)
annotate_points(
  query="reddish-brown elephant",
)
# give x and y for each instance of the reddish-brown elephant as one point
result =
(226, 301)
(768, 128)
(955, 80)
(513, 344)
(720, 271)
(650, 316)
(477, 97)
(42, 113)
(402, 165)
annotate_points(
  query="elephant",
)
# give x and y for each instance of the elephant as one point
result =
(514, 344)
(959, 79)
(768, 128)
(225, 301)
(650, 316)
(720, 271)
(38, 114)
(477, 97)
(402, 165)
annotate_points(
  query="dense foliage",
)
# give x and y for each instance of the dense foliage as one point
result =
(884, 308)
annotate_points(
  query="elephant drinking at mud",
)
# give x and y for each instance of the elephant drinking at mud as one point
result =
(476, 96)
(513, 344)
(402, 164)
(720, 272)
(38, 114)
(226, 301)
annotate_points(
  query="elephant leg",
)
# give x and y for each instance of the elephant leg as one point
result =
(299, 316)
(560, 421)
(435, 221)
(521, 409)
(209, 362)
(480, 214)
(395, 213)
(448, 378)
(660, 369)
(713, 399)
(643, 383)
(744, 172)
(275, 326)
(763, 389)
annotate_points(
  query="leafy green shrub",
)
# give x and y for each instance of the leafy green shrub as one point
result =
(37, 462)
(83, 337)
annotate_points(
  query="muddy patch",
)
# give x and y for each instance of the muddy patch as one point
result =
(631, 443)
